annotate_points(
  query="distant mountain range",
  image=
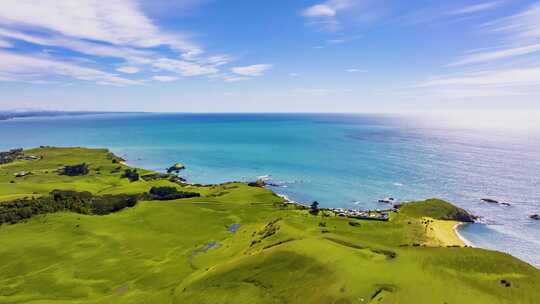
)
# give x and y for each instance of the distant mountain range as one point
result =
(5, 115)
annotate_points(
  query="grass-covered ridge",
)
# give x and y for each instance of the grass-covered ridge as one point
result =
(233, 244)
(436, 209)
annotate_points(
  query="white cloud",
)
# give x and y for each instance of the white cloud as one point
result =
(483, 57)
(109, 29)
(324, 15)
(119, 22)
(128, 69)
(475, 8)
(27, 68)
(251, 70)
(5, 44)
(294, 74)
(319, 10)
(164, 78)
(184, 68)
(356, 71)
(327, 9)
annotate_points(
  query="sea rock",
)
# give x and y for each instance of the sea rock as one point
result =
(489, 200)
(492, 201)
(257, 183)
(176, 168)
(535, 217)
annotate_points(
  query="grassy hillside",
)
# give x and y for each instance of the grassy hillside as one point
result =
(234, 244)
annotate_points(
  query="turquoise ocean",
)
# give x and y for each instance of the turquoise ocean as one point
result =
(347, 161)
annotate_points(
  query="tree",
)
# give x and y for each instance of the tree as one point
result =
(314, 208)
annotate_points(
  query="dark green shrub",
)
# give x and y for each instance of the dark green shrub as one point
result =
(131, 175)
(314, 208)
(75, 170)
(170, 193)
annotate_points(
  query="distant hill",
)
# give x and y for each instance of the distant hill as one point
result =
(5, 115)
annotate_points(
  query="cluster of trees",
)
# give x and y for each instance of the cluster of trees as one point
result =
(75, 170)
(106, 204)
(82, 202)
(64, 200)
(170, 193)
(131, 174)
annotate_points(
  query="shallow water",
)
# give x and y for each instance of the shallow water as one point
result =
(233, 228)
(339, 160)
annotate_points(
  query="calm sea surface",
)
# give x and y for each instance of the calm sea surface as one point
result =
(339, 160)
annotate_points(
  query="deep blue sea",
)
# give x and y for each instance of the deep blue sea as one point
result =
(339, 160)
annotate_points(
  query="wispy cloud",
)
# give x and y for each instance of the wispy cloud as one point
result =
(483, 57)
(117, 29)
(164, 78)
(17, 67)
(251, 70)
(337, 41)
(475, 8)
(5, 44)
(229, 78)
(128, 69)
(504, 77)
(118, 22)
(519, 81)
(355, 71)
(520, 34)
(491, 78)
(524, 26)
(185, 68)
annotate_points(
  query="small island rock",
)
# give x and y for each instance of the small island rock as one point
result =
(489, 200)
(535, 217)
(176, 168)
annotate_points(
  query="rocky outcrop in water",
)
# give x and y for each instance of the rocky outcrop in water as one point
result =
(176, 168)
(492, 201)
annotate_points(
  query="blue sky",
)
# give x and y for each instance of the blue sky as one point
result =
(270, 56)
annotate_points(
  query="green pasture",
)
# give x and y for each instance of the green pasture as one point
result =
(184, 251)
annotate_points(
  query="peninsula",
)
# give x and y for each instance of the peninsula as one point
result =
(80, 226)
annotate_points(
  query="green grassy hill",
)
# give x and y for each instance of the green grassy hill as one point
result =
(234, 244)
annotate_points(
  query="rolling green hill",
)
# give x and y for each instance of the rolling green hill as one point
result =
(233, 244)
